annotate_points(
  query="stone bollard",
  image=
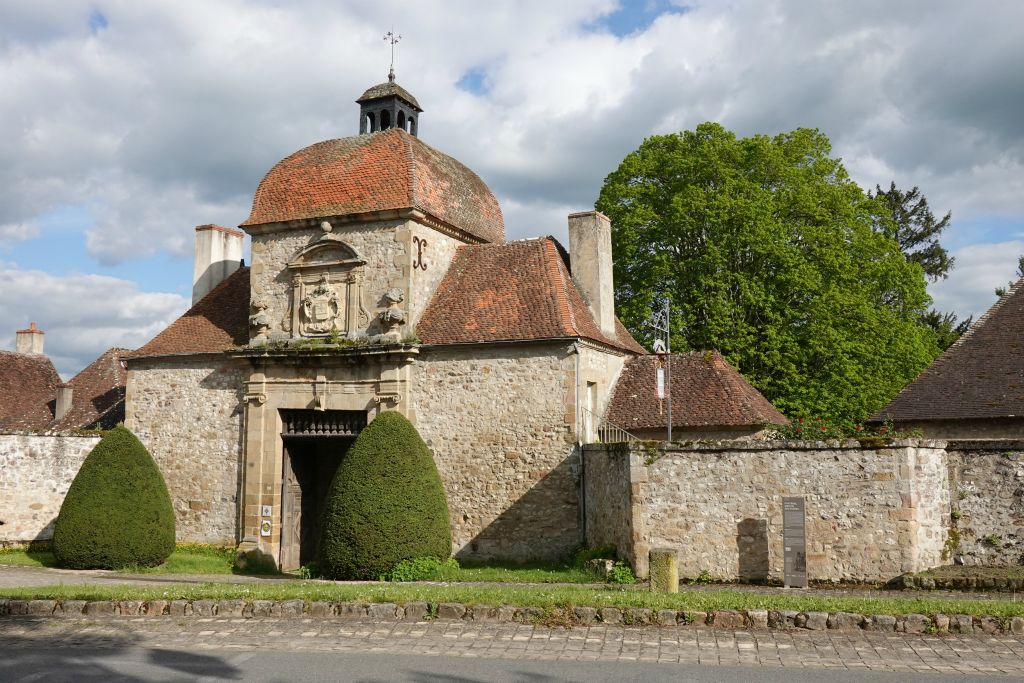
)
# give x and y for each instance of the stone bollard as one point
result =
(664, 571)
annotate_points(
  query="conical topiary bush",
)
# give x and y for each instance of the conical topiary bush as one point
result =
(117, 512)
(386, 504)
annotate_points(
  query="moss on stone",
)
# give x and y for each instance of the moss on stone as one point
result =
(664, 571)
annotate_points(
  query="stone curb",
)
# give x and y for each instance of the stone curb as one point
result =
(578, 616)
(960, 583)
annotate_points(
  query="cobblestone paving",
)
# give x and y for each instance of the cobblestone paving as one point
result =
(853, 651)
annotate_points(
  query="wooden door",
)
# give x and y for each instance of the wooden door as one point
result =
(291, 515)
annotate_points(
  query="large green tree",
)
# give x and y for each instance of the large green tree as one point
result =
(769, 254)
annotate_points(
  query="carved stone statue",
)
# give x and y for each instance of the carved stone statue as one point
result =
(259, 320)
(392, 317)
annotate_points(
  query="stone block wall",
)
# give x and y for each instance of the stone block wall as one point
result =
(188, 412)
(607, 495)
(872, 514)
(987, 485)
(501, 424)
(36, 471)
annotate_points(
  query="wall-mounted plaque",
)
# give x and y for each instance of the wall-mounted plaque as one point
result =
(265, 528)
(794, 542)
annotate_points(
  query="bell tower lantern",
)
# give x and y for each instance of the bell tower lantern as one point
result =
(388, 105)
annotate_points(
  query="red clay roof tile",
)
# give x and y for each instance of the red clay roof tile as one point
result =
(706, 392)
(97, 398)
(382, 171)
(218, 321)
(508, 292)
(28, 385)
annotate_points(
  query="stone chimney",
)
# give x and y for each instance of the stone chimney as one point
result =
(218, 254)
(590, 251)
(29, 341)
(63, 406)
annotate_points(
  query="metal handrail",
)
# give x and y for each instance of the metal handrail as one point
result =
(606, 432)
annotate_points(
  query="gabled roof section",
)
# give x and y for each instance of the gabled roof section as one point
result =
(218, 321)
(979, 376)
(706, 392)
(385, 171)
(28, 385)
(514, 291)
(97, 399)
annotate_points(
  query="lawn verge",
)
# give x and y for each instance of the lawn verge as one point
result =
(564, 597)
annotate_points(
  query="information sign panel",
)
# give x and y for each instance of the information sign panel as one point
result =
(794, 542)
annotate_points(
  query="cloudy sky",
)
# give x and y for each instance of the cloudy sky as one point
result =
(125, 123)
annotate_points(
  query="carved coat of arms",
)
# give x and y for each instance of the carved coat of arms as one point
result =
(321, 308)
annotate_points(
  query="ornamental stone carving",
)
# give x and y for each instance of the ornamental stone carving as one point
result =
(321, 309)
(259, 320)
(327, 291)
(392, 317)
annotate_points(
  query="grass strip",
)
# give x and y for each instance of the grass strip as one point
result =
(569, 596)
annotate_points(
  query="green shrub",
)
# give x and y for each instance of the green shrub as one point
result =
(117, 512)
(386, 504)
(420, 569)
(621, 573)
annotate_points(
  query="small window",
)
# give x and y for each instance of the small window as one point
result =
(385, 119)
(371, 122)
(412, 125)
(401, 120)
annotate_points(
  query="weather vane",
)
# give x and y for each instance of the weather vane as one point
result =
(393, 39)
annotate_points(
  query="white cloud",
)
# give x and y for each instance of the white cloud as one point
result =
(980, 268)
(82, 315)
(169, 115)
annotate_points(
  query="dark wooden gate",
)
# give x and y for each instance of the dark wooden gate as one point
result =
(314, 445)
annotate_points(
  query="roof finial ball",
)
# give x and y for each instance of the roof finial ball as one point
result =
(389, 105)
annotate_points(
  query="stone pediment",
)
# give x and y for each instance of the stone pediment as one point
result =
(327, 252)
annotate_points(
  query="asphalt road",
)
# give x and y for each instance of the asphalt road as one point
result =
(86, 663)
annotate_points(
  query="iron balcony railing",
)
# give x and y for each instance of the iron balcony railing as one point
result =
(597, 429)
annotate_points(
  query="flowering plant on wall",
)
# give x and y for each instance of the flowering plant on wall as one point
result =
(820, 429)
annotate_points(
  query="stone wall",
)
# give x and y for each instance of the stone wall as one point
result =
(188, 412)
(607, 497)
(987, 483)
(35, 473)
(871, 514)
(501, 424)
(987, 428)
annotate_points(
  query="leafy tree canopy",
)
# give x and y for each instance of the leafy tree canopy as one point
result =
(769, 253)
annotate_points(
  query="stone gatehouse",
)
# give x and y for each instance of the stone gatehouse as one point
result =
(380, 279)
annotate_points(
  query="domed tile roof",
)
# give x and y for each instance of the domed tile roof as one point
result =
(382, 171)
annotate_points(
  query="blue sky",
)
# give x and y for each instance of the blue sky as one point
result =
(128, 122)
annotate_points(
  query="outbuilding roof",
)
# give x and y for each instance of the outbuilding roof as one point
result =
(706, 392)
(217, 322)
(388, 170)
(513, 291)
(28, 385)
(979, 376)
(97, 399)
